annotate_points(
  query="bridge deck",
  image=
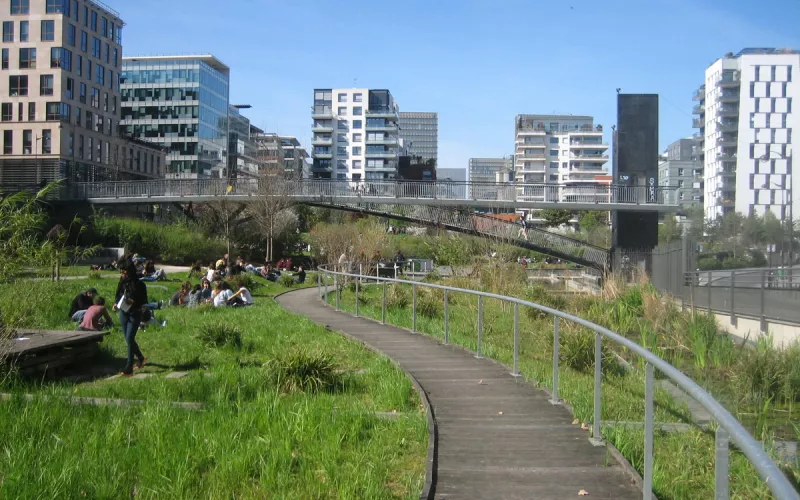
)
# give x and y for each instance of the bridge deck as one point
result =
(498, 437)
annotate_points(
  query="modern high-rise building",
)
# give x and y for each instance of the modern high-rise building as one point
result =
(294, 157)
(451, 174)
(60, 96)
(488, 171)
(558, 149)
(181, 103)
(242, 150)
(420, 134)
(681, 171)
(746, 120)
(355, 134)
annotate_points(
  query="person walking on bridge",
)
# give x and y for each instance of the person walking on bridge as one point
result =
(523, 229)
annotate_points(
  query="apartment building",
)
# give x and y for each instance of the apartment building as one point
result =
(483, 171)
(564, 150)
(745, 142)
(355, 134)
(182, 104)
(60, 97)
(678, 168)
(242, 149)
(419, 132)
(294, 157)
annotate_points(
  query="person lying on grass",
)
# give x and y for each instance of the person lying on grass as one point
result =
(96, 318)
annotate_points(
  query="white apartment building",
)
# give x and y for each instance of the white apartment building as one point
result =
(746, 121)
(564, 150)
(355, 134)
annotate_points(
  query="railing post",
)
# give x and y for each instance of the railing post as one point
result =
(721, 457)
(733, 297)
(597, 436)
(479, 353)
(516, 340)
(319, 285)
(446, 317)
(414, 308)
(383, 305)
(763, 302)
(647, 474)
(326, 288)
(336, 291)
(357, 279)
(556, 342)
(709, 293)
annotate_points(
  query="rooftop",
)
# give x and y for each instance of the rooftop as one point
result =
(766, 51)
(206, 58)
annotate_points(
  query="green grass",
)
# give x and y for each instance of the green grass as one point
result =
(691, 476)
(251, 440)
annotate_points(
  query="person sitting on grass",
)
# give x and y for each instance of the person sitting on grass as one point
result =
(81, 303)
(211, 273)
(195, 296)
(300, 276)
(96, 318)
(205, 291)
(180, 297)
(243, 297)
(195, 270)
(151, 273)
(222, 294)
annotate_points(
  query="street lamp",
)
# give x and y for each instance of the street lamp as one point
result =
(788, 197)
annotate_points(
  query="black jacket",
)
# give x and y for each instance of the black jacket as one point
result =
(81, 302)
(134, 289)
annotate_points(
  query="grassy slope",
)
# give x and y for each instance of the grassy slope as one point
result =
(249, 442)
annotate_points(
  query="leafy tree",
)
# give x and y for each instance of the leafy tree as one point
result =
(554, 217)
(753, 231)
(592, 219)
(697, 222)
(670, 230)
(773, 231)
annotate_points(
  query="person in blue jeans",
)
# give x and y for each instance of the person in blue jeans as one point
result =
(134, 293)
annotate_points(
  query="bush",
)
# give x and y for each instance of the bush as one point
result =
(219, 334)
(300, 370)
(397, 296)
(709, 264)
(429, 303)
(286, 281)
(95, 275)
(539, 294)
(248, 281)
(172, 243)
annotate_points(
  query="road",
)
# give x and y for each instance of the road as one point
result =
(779, 304)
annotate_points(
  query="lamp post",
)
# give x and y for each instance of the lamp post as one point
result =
(787, 199)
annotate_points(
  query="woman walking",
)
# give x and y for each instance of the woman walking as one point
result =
(131, 298)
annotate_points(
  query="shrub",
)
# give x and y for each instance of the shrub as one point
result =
(397, 296)
(219, 334)
(432, 277)
(577, 350)
(539, 294)
(709, 264)
(301, 370)
(95, 275)
(429, 303)
(286, 281)
(248, 281)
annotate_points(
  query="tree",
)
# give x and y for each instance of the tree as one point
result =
(555, 218)
(273, 198)
(670, 230)
(21, 220)
(753, 231)
(222, 217)
(592, 219)
(774, 232)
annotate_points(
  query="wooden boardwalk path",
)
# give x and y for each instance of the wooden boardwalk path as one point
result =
(498, 437)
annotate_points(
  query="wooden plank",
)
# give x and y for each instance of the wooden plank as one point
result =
(59, 358)
(44, 340)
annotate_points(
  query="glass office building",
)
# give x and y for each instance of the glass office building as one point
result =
(420, 134)
(180, 103)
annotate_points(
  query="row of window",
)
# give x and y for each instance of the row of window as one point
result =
(54, 111)
(357, 111)
(47, 31)
(43, 144)
(773, 73)
(343, 97)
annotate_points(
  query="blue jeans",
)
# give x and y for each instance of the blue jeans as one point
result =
(129, 321)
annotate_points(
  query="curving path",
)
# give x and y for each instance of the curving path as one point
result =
(498, 437)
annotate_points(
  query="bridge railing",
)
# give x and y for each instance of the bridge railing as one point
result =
(385, 189)
(729, 428)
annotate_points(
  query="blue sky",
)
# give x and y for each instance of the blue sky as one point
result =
(477, 63)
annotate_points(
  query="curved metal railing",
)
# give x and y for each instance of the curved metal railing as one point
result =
(729, 427)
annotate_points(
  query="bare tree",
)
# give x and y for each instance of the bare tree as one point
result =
(223, 217)
(274, 197)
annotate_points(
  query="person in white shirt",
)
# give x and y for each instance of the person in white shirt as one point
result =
(222, 295)
(241, 298)
(211, 272)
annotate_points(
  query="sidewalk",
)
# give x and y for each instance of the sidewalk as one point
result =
(498, 437)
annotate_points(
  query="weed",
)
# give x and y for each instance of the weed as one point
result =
(286, 280)
(303, 370)
(220, 334)
(397, 296)
(95, 275)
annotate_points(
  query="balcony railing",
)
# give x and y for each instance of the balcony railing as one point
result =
(698, 123)
(699, 94)
(728, 110)
(588, 156)
(727, 127)
(729, 79)
(698, 109)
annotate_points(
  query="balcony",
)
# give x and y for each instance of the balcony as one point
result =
(323, 155)
(533, 169)
(726, 157)
(728, 111)
(588, 157)
(698, 123)
(320, 141)
(725, 202)
(381, 128)
(728, 127)
(728, 97)
(322, 113)
(726, 172)
(387, 141)
(538, 131)
(698, 137)
(730, 79)
(699, 94)
(387, 167)
(699, 109)
(532, 156)
(531, 145)
(591, 144)
(322, 128)
(382, 113)
(381, 154)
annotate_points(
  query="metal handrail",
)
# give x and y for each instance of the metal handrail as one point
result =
(729, 427)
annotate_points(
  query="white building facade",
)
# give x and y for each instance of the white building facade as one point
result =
(746, 119)
(563, 150)
(355, 134)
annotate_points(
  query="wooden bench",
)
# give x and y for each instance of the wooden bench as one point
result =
(35, 351)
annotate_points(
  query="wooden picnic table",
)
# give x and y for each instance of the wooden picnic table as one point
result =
(43, 350)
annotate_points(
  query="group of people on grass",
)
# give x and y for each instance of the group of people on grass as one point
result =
(224, 268)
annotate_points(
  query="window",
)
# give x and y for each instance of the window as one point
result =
(110, 79)
(107, 53)
(356, 150)
(27, 58)
(95, 98)
(55, 6)
(115, 57)
(27, 142)
(96, 47)
(88, 69)
(20, 7)
(5, 59)
(84, 41)
(564, 165)
(680, 184)
(75, 10)
(61, 58)
(341, 151)
(553, 177)
(341, 177)
(17, 86)
(118, 38)
(553, 164)
(70, 144)
(71, 35)
(342, 111)
(19, 113)
(80, 146)
(85, 16)
(341, 138)
(356, 164)
(104, 27)
(356, 137)
(24, 29)
(357, 97)
(342, 125)
(342, 97)
(554, 140)
(105, 101)
(79, 68)
(8, 111)
(553, 152)
(114, 104)
(89, 148)
(47, 137)
(8, 142)
(100, 75)
(8, 31)
(88, 122)
(680, 172)
(357, 124)
(82, 95)
(69, 93)
(358, 111)
(94, 21)
(31, 111)
(48, 31)
(564, 153)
